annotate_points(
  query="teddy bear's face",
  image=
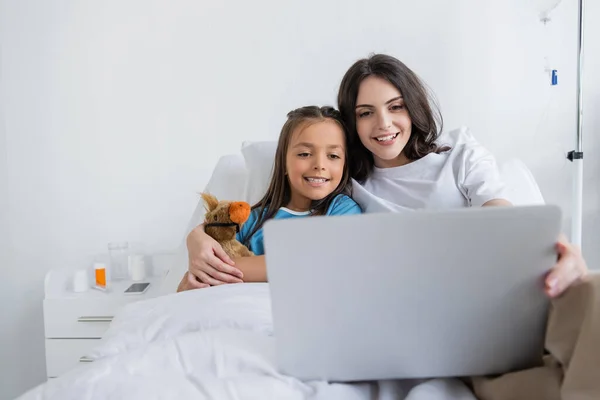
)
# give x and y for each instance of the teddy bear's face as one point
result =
(224, 218)
(220, 216)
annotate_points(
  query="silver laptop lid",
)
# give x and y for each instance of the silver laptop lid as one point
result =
(420, 294)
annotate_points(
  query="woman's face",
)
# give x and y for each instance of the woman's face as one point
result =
(382, 121)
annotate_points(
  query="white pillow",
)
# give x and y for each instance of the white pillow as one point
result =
(228, 179)
(521, 187)
(227, 182)
(259, 158)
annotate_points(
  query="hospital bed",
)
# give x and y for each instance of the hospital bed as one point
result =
(213, 343)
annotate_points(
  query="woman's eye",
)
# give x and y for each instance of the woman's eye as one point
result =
(397, 107)
(364, 114)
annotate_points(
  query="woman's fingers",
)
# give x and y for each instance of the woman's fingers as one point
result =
(563, 276)
(194, 283)
(219, 252)
(226, 265)
(224, 277)
(231, 274)
(569, 269)
(205, 278)
(204, 272)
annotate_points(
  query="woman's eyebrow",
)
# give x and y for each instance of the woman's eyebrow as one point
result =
(387, 102)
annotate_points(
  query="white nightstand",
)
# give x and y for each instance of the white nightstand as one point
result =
(75, 322)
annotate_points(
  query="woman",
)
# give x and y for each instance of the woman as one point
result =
(397, 162)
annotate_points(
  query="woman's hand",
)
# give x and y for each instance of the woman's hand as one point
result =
(189, 282)
(569, 270)
(208, 261)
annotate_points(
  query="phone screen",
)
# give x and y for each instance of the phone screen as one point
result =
(137, 287)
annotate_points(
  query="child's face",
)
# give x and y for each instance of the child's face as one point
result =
(315, 162)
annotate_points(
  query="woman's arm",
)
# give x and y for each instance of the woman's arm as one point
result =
(497, 202)
(254, 268)
(208, 261)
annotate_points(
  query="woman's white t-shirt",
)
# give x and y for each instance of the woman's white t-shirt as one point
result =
(465, 176)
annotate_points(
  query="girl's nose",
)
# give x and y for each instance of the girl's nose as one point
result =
(319, 163)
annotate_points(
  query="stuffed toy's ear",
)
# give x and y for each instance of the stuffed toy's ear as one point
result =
(210, 201)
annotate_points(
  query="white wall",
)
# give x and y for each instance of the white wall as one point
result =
(116, 111)
(6, 335)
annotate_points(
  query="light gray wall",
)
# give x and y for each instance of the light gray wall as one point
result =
(115, 111)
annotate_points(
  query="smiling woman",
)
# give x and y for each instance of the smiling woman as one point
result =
(396, 156)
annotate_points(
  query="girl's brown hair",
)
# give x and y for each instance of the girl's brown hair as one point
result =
(424, 113)
(279, 192)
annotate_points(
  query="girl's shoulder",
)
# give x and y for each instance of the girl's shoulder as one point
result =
(343, 204)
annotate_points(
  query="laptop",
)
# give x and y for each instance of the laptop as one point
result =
(421, 294)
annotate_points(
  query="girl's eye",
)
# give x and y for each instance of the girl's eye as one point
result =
(303, 155)
(334, 156)
(364, 114)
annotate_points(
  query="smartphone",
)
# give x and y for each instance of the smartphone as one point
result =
(137, 288)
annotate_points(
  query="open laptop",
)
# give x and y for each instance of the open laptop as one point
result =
(411, 295)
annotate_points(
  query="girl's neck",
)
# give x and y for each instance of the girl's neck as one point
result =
(299, 203)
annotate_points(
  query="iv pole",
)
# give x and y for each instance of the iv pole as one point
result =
(576, 156)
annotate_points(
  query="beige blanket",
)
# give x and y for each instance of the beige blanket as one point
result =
(572, 369)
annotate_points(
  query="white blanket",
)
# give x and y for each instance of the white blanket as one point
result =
(211, 343)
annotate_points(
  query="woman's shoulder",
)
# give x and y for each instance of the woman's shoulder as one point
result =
(343, 204)
(456, 138)
(461, 142)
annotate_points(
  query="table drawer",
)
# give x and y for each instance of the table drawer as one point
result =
(63, 355)
(85, 318)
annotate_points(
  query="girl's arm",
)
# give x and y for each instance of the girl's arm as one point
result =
(254, 268)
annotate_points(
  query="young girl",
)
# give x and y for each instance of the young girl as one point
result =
(310, 177)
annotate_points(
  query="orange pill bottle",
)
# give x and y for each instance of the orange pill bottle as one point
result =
(100, 274)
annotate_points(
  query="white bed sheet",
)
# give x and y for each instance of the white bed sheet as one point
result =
(211, 343)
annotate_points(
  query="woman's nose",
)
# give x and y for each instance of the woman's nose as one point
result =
(384, 121)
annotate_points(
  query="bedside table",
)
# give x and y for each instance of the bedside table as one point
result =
(75, 322)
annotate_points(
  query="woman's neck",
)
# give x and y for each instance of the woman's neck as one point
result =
(396, 162)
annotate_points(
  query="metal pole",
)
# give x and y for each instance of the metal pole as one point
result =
(576, 156)
(580, 78)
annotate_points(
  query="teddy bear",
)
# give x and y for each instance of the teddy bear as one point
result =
(223, 219)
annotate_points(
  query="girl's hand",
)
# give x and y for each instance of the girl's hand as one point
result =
(208, 261)
(569, 270)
